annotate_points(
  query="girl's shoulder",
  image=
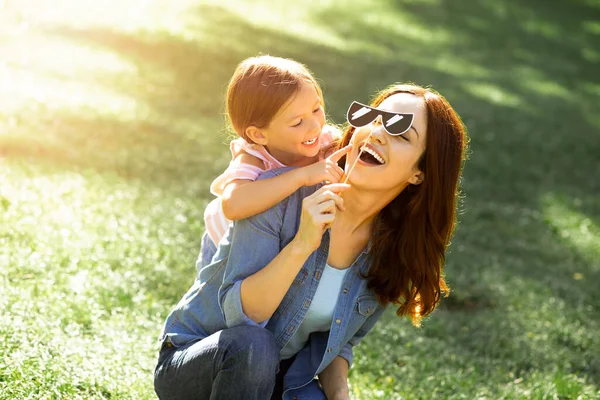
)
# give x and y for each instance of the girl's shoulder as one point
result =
(240, 146)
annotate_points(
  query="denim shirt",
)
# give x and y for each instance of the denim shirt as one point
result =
(214, 303)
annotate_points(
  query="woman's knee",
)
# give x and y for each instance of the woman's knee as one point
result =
(253, 347)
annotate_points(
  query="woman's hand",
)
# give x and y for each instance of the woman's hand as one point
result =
(334, 380)
(325, 170)
(318, 213)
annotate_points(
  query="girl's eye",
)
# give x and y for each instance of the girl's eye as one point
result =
(296, 125)
(404, 137)
(317, 109)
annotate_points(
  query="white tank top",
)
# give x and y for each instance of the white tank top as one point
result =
(320, 313)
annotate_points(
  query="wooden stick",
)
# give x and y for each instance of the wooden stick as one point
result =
(357, 158)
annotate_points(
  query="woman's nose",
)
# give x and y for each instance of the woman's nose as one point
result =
(377, 131)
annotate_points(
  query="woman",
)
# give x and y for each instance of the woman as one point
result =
(292, 290)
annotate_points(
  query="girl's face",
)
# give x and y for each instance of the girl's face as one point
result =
(390, 162)
(293, 136)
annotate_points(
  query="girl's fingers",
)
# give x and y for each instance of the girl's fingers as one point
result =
(339, 172)
(336, 172)
(334, 177)
(335, 157)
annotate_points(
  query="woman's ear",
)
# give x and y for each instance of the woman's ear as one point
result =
(417, 178)
(256, 135)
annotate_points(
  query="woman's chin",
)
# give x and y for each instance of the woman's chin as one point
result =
(366, 169)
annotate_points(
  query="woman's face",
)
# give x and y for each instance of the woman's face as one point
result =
(396, 163)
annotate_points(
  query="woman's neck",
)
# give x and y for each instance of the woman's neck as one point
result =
(360, 211)
(361, 208)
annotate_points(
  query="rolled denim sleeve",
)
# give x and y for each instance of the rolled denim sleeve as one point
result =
(255, 242)
(346, 351)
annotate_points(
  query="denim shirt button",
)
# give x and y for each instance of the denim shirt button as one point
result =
(329, 350)
(345, 291)
(338, 321)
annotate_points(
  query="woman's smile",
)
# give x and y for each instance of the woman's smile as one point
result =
(371, 156)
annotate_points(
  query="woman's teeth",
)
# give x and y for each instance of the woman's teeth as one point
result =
(309, 142)
(372, 152)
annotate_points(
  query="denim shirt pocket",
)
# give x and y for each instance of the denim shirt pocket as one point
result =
(366, 305)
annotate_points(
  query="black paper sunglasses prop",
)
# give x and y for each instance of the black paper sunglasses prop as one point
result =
(360, 115)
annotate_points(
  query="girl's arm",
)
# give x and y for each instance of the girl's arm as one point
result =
(243, 198)
(334, 380)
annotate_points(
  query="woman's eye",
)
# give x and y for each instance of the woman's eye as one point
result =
(404, 137)
(317, 109)
(296, 125)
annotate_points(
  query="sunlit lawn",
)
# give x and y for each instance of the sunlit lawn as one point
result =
(111, 129)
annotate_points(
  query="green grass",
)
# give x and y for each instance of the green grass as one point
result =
(111, 129)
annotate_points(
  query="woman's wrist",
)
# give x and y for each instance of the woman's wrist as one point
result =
(300, 248)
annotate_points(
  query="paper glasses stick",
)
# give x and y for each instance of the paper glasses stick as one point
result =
(357, 158)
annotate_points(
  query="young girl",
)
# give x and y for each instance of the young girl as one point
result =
(276, 107)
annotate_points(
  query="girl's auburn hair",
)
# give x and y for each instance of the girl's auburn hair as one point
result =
(414, 230)
(260, 87)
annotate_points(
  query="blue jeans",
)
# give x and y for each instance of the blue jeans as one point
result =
(235, 363)
(207, 251)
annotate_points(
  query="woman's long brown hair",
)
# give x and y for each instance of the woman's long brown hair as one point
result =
(413, 232)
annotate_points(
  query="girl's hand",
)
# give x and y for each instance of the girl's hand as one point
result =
(318, 213)
(325, 170)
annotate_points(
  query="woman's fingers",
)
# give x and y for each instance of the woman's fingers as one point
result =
(330, 196)
(319, 212)
(333, 187)
(327, 207)
(325, 220)
(324, 195)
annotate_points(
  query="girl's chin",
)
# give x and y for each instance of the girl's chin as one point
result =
(311, 152)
